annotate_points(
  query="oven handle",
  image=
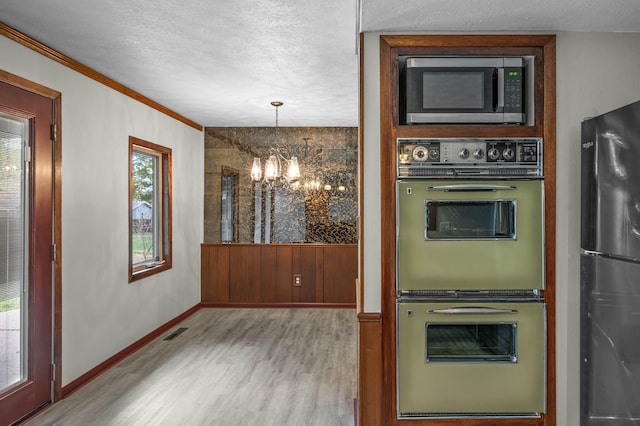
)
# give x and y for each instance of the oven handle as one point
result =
(470, 188)
(472, 310)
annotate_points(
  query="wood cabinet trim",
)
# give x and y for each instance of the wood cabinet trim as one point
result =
(391, 46)
(467, 40)
(370, 386)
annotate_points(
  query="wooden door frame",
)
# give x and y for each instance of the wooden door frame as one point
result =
(56, 98)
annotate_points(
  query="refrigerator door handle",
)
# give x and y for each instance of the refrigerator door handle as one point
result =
(595, 253)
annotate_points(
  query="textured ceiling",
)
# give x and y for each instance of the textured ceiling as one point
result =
(501, 15)
(221, 62)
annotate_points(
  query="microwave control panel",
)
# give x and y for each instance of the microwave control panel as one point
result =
(513, 83)
(469, 157)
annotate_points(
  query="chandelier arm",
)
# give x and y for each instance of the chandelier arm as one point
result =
(274, 169)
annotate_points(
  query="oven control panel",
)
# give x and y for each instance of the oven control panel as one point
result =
(470, 157)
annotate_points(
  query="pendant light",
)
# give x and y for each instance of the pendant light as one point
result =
(273, 167)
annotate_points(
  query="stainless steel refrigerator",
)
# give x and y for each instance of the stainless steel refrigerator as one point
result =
(610, 269)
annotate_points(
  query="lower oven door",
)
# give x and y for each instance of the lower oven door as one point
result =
(484, 359)
(470, 235)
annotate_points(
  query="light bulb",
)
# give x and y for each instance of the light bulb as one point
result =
(256, 170)
(293, 172)
(271, 168)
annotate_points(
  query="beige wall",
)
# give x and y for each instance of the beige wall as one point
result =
(101, 312)
(596, 72)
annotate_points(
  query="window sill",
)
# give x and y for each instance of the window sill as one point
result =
(147, 271)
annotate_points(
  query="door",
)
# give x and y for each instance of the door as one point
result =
(470, 235)
(610, 176)
(450, 85)
(464, 359)
(610, 349)
(26, 235)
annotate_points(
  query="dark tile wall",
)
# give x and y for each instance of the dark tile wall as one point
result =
(321, 208)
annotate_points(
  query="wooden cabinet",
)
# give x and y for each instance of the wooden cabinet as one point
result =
(392, 47)
(265, 273)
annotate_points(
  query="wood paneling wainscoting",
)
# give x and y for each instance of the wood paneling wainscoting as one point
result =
(264, 273)
(369, 407)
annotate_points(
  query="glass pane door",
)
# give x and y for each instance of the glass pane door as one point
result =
(473, 342)
(13, 306)
(470, 220)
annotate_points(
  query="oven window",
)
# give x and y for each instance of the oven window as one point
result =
(470, 220)
(476, 342)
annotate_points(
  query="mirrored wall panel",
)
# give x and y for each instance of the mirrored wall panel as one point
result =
(284, 185)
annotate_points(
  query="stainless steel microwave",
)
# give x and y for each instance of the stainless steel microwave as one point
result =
(480, 90)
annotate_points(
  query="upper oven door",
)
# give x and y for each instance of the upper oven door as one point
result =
(469, 235)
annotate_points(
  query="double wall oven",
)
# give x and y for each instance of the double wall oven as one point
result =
(470, 269)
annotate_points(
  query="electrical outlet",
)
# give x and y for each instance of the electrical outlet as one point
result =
(297, 280)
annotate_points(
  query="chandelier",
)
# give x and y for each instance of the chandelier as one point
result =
(277, 167)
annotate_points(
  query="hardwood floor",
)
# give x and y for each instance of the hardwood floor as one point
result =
(229, 367)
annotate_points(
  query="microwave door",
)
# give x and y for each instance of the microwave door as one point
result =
(446, 94)
(464, 90)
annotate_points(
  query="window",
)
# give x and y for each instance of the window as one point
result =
(472, 342)
(149, 208)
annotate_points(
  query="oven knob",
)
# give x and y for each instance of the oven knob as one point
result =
(507, 154)
(420, 153)
(493, 154)
(434, 154)
(478, 153)
(464, 153)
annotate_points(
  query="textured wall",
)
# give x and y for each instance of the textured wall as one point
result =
(96, 124)
(608, 79)
(327, 156)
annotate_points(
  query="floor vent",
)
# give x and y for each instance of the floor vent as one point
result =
(176, 333)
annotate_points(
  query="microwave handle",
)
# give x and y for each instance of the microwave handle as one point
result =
(499, 101)
(471, 310)
(470, 188)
